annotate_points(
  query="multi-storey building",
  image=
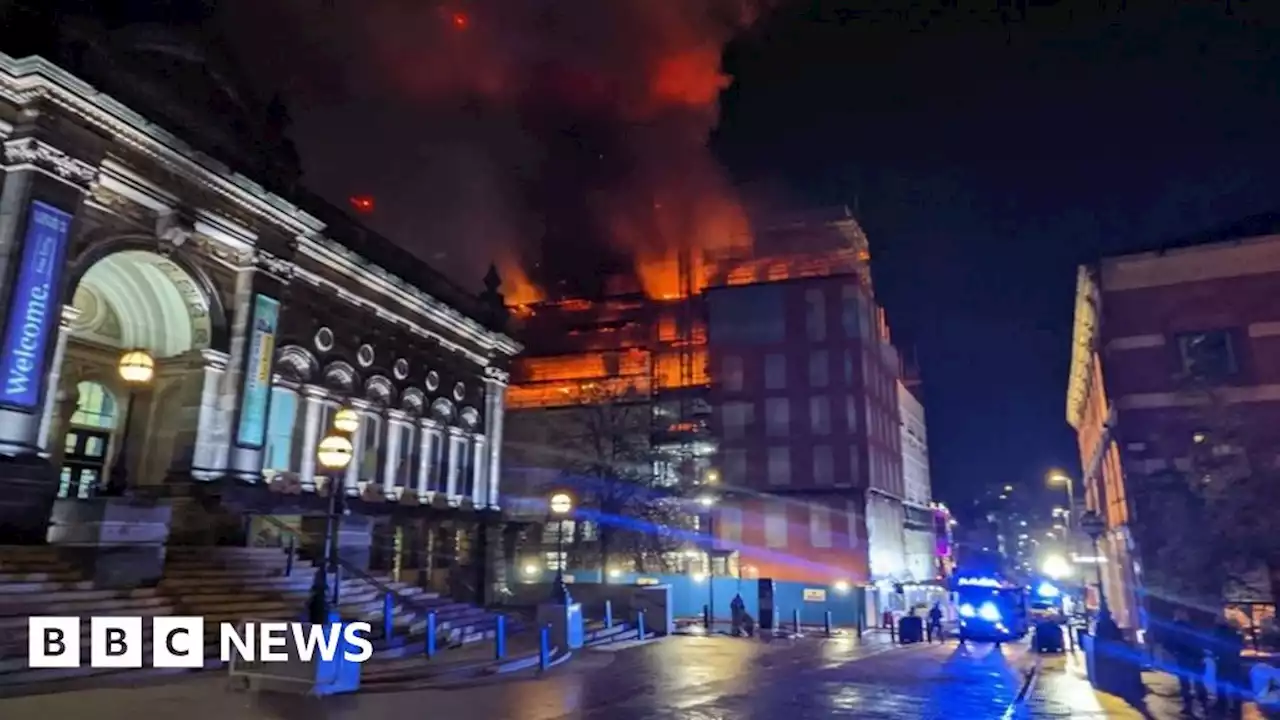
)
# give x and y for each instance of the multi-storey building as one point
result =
(174, 328)
(774, 375)
(1162, 340)
(919, 540)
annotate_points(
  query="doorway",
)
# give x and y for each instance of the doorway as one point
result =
(84, 462)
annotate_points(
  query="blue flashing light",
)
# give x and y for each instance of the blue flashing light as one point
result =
(1048, 590)
(966, 610)
(985, 582)
(989, 612)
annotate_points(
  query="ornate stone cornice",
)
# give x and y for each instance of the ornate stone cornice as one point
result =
(1083, 341)
(277, 266)
(497, 375)
(39, 154)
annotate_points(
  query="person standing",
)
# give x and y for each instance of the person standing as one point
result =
(1227, 647)
(1187, 651)
(935, 623)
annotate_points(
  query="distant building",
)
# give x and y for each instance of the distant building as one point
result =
(918, 515)
(1159, 337)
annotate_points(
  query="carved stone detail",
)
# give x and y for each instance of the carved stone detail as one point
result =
(49, 158)
(497, 374)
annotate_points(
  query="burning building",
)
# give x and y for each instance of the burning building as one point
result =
(769, 383)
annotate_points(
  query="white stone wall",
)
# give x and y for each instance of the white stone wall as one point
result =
(919, 551)
(917, 486)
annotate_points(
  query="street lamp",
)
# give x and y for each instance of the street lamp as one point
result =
(708, 501)
(334, 455)
(136, 369)
(346, 420)
(1056, 567)
(1059, 477)
(1094, 526)
(561, 505)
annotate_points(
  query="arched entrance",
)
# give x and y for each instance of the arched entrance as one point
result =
(130, 300)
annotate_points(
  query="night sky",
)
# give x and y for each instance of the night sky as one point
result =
(985, 158)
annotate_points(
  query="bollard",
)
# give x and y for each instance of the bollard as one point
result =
(431, 635)
(500, 637)
(337, 585)
(795, 621)
(893, 633)
(608, 614)
(289, 553)
(826, 622)
(388, 616)
(640, 624)
(544, 648)
(706, 617)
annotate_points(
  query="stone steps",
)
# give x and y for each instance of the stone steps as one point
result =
(219, 584)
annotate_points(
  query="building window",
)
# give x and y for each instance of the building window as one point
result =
(819, 364)
(775, 525)
(554, 560)
(819, 526)
(823, 470)
(848, 368)
(734, 418)
(779, 466)
(731, 366)
(1207, 355)
(851, 412)
(815, 317)
(850, 310)
(729, 526)
(855, 465)
(371, 430)
(735, 466)
(820, 415)
(95, 406)
(777, 421)
(775, 372)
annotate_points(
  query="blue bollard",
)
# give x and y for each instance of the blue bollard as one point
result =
(500, 637)
(706, 617)
(795, 621)
(388, 616)
(826, 621)
(640, 624)
(544, 648)
(608, 614)
(431, 635)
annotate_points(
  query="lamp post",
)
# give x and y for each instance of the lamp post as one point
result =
(1094, 526)
(136, 369)
(561, 504)
(708, 501)
(1058, 476)
(334, 455)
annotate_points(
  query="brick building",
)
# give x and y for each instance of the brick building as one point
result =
(1159, 336)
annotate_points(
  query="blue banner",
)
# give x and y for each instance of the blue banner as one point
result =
(257, 372)
(34, 306)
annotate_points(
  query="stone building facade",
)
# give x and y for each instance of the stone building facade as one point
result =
(264, 315)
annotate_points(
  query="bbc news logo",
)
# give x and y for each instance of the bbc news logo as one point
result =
(179, 642)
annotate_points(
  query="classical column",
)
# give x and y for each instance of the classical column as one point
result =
(397, 423)
(479, 465)
(314, 397)
(69, 315)
(208, 462)
(495, 390)
(453, 464)
(254, 317)
(351, 481)
(429, 439)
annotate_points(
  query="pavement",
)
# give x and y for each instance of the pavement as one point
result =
(683, 677)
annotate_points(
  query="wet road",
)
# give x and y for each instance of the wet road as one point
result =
(688, 678)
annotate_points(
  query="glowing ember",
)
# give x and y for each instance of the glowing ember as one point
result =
(461, 21)
(362, 204)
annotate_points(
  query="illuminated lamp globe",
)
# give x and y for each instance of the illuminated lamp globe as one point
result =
(137, 367)
(346, 420)
(561, 503)
(335, 452)
(707, 500)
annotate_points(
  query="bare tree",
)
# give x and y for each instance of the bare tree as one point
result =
(1207, 519)
(601, 449)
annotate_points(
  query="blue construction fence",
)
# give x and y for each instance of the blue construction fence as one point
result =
(691, 593)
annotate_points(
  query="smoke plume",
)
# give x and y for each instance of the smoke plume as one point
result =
(564, 138)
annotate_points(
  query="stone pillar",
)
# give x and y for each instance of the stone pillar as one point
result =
(479, 477)
(351, 481)
(260, 275)
(42, 191)
(208, 460)
(428, 441)
(434, 452)
(50, 446)
(313, 396)
(457, 444)
(397, 423)
(495, 391)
